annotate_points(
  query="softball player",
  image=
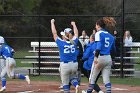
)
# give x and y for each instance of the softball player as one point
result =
(102, 60)
(88, 58)
(9, 65)
(68, 57)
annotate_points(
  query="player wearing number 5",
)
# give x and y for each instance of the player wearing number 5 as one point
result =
(68, 56)
(9, 64)
(102, 60)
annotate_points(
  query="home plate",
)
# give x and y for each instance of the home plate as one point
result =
(113, 88)
(32, 91)
(119, 89)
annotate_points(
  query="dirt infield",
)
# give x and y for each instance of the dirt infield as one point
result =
(52, 87)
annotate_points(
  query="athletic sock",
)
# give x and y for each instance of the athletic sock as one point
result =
(108, 87)
(74, 82)
(3, 81)
(96, 88)
(90, 88)
(20, 76)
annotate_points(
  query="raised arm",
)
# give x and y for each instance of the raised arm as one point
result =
(54, 32)
(75, 28)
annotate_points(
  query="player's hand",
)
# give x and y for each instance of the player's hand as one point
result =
(72, 23)
(95, 61)
(52, 20)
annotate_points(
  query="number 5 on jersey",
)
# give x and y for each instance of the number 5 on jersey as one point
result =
(107, 42)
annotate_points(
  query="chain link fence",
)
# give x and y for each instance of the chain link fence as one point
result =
(29, 36)
(132, 22)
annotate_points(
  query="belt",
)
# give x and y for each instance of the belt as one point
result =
(70, 61)
(103, 54)
(8, 57)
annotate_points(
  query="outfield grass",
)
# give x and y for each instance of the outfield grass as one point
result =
(137, 66)
(137, 61)
(127, 81)
(45, 78)
(22, 54)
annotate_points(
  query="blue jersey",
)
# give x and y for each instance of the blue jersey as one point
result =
(105, 42)
(89, 55)
(6, 51)
(67, 51)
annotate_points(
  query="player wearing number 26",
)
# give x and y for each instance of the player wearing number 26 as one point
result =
(68, 56)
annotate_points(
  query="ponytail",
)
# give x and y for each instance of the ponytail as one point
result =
(107, 23)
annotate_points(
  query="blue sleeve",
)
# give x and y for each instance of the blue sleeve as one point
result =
(98, 45)
(59, 42)
(4, 52)
(76, 40)
(86, 53)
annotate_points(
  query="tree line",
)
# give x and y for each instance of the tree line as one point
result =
(20, 26)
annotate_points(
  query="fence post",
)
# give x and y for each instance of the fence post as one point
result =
(121, 40)
(39, 48)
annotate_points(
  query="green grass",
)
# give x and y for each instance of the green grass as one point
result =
(45, 78)
(41, 78)
(125, 81)
(137, 61)
(137, 66)
(19, 64)
(22, 54)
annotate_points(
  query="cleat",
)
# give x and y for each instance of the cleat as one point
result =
(61, 87)
(83, 91)
(77, 89)
(2, 89)
(100, 91)
(94, 91)
(27, 79)
(61, 90)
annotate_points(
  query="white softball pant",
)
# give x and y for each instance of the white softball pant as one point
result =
(104, 65)
(9, 68)
(2, 64)
(68, 71)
